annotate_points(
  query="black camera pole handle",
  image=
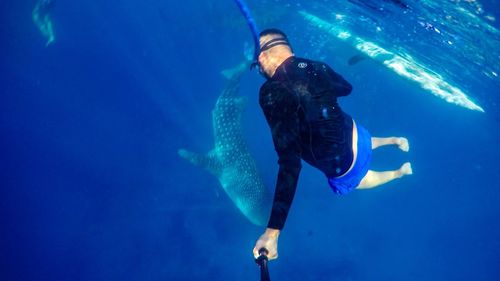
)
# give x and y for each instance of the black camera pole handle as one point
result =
(262, 262)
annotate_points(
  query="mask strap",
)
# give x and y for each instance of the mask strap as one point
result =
(274, 42)
(269, 44)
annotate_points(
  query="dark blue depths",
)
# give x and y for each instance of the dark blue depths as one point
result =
(92, 187)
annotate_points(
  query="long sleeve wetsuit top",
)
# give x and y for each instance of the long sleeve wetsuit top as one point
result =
(300, 106)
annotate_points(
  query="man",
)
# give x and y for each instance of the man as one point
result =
(299, 100)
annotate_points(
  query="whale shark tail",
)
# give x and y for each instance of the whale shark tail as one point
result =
(208, 161)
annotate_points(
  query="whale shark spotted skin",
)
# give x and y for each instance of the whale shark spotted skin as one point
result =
(403, 65)
(230, 160)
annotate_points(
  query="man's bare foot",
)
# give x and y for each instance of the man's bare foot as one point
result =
(406, 169)
(403, 144)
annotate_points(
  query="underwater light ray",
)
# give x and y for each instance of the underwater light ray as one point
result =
(403, 66)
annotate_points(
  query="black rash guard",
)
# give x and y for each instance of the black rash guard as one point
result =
(300, 105)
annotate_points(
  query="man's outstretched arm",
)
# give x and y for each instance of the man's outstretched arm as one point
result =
(281, 113)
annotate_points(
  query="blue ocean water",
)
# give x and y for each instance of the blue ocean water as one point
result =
(92, 186)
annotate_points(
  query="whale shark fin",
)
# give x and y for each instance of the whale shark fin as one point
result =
(208, 161)
(241, 102)
(248, 51)
(238, 70)
(231, 73)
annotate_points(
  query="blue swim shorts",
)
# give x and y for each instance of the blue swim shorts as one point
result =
(349, 181)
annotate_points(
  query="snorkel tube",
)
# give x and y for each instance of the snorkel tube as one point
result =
(253, 28)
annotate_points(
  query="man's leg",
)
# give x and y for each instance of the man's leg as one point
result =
(402, 143)
(373, 179)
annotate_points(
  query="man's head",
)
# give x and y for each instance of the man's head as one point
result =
(274, 49)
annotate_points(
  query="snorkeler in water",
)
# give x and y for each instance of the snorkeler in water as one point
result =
(299, 101)
(41, 17)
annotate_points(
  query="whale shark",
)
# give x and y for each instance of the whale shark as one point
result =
(41, 18)
(402, 65)
(230, 159)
